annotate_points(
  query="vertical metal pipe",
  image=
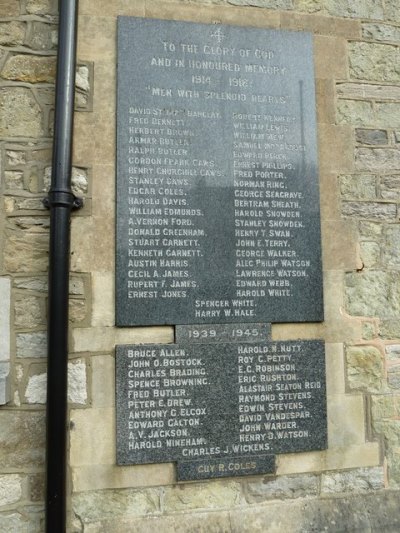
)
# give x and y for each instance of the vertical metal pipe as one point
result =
(60, 201)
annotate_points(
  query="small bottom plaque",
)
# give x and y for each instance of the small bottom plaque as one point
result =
(225, 467)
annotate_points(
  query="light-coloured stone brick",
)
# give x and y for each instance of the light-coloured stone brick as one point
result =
(103, 505)
(355, 112)
(219, 495)
(28, 311)
(343, 8)
(373, 293)
(370, 253)
(28, 253)
(4, 383)
(103, 371)
(371, 210)
(5, 308)
(21, 114)
(41, 7)
(364, 368)
(282, 487)
(390, 187)
(360, 480)
(368, 91)
(77, 389)
(31, 344)
(388, 115)
(12, 33)
(377, 159)
(22, 439)
(359, 187)
(374, 62)
(391, 250)
(30, 69)
(380, 32)
(10, 489)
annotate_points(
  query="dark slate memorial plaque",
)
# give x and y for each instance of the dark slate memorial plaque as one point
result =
(217, 183)
(198, 402)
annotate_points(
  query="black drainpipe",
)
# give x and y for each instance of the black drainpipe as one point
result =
(61, 201)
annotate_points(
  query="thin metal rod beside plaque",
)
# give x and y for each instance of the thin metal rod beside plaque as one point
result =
(217, 184)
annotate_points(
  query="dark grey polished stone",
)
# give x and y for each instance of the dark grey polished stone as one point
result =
(185, 402)
(222, 333)
(217, 184)
(225, 467)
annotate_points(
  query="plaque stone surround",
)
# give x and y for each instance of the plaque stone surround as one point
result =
(241, 403)
(217, 183)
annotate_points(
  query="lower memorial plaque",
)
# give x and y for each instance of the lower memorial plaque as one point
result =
(238, 402)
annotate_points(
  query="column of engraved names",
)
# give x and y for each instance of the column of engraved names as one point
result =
(165, 233)
(275, 400)
(268, 207)
(164, 419)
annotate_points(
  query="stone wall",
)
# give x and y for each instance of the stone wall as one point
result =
(353, 484)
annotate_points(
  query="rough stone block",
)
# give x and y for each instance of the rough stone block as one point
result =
(364, 136)
(35, 392)
(392, 10)
(360, 481)
(4, 383)
(343, 8)
(356, 112)
(364, 368)
(12, 33)
(282, 487)
(112, 504)
(391, 246)
(9, 8)
(41, 7)
(370, 230)
(21, 115)
(373, 293)
(26, 253)
(367, 91)
(202, 496)
(377, 159)
(393, 376)
(30, 69)
(385, 406)
(380, 32)
(10, 489)
(389, 329)
(360, 187)
(392, 351)
(42, 36)
(22, 439)
(374, 62)
(5, 308)
(370, 253)
(388, 114)
(390, 187)
(371, 210)
(29, 312)
(31, 344)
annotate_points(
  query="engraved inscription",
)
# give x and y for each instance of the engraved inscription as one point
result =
(183, 402)
(217, 189)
